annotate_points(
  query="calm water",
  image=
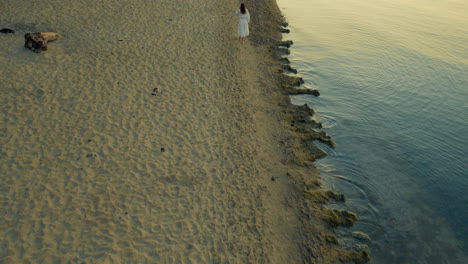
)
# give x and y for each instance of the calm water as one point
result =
(393, 78)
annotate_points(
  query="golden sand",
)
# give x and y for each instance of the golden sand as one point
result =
(146, 134)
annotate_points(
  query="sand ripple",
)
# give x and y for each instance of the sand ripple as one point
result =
(129, 140)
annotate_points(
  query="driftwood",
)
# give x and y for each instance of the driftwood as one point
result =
(37, 42)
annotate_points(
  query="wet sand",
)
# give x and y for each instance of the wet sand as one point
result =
(148, 134)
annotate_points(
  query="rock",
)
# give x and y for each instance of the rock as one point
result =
(323, 196)
(360, 254)
(7, 31)
(286, 43)
(288, 68)
(37, 42)
(335, 217)
(283, 51)
(284, 60)
(289, 82)
(294, 91)
(360, 236)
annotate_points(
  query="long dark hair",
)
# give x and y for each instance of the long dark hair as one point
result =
(242, 8)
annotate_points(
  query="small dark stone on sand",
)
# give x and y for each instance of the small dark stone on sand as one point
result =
(155, 90)
(7, 31)
(89, 140)
(162, 149)
(153, 94)
(273, 178)
(126, 213)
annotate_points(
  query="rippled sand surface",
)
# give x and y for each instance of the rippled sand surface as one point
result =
(135, 138)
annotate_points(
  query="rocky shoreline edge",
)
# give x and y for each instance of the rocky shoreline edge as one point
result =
(319, 243)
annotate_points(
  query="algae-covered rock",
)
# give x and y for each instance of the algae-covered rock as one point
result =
(296, 91)
(335, 217)
(323, 196)
(360, 236)
(285, 43)
(359, 255)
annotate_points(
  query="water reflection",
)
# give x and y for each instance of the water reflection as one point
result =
(392, 76)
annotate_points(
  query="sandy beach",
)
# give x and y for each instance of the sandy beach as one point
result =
(148, 134)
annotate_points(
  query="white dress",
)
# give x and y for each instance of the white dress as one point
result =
(243, 26)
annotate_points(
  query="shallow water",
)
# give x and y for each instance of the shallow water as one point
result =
(393, 82)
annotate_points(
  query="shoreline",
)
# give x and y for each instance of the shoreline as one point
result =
(158, 138)
(319, 245)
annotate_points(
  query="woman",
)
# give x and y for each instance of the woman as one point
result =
(243, 26)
